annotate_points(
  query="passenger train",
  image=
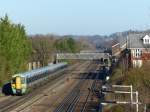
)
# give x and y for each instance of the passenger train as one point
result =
(21, 82)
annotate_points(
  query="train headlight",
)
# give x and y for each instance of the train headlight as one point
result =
(13, 86)
(107, 78)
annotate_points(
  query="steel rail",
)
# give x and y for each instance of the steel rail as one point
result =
(72, 102)
(17, 101)
(68, 99)
(92, 88)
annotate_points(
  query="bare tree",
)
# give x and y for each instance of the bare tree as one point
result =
(43, 48)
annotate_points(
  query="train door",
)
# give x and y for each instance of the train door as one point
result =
(23, 85)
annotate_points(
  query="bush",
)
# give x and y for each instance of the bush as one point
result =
(118, 109)
(138, 77)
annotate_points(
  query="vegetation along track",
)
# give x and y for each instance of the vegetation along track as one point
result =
(16, 101)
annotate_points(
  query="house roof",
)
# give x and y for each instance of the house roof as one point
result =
(146, 37)
(136, 41)
(122, 40)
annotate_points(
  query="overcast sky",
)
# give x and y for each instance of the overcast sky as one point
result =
(80, 17)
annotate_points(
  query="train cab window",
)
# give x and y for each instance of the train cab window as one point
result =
(14, 80)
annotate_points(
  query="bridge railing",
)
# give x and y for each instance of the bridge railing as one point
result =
(83, 56)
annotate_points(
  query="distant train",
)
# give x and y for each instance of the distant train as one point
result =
(21, 82)
(104, 62)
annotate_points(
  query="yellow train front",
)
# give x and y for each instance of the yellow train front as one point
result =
(21, 83)
(18, 84)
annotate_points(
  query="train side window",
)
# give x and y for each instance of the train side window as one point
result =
(22, 80)
(29, 80)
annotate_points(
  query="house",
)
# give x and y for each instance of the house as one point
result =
(139, 46)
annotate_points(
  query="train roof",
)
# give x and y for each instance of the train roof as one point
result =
(43, 69)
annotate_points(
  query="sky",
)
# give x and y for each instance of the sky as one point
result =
(78, 17)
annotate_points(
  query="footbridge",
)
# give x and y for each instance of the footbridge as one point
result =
(82, 56)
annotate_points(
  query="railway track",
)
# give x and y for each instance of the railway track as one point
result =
(92, 88)
(92, 100)
(71, 101)
(80, 99)
(86, 97)
(17, 101)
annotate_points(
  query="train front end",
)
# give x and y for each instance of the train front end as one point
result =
(18, 85)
